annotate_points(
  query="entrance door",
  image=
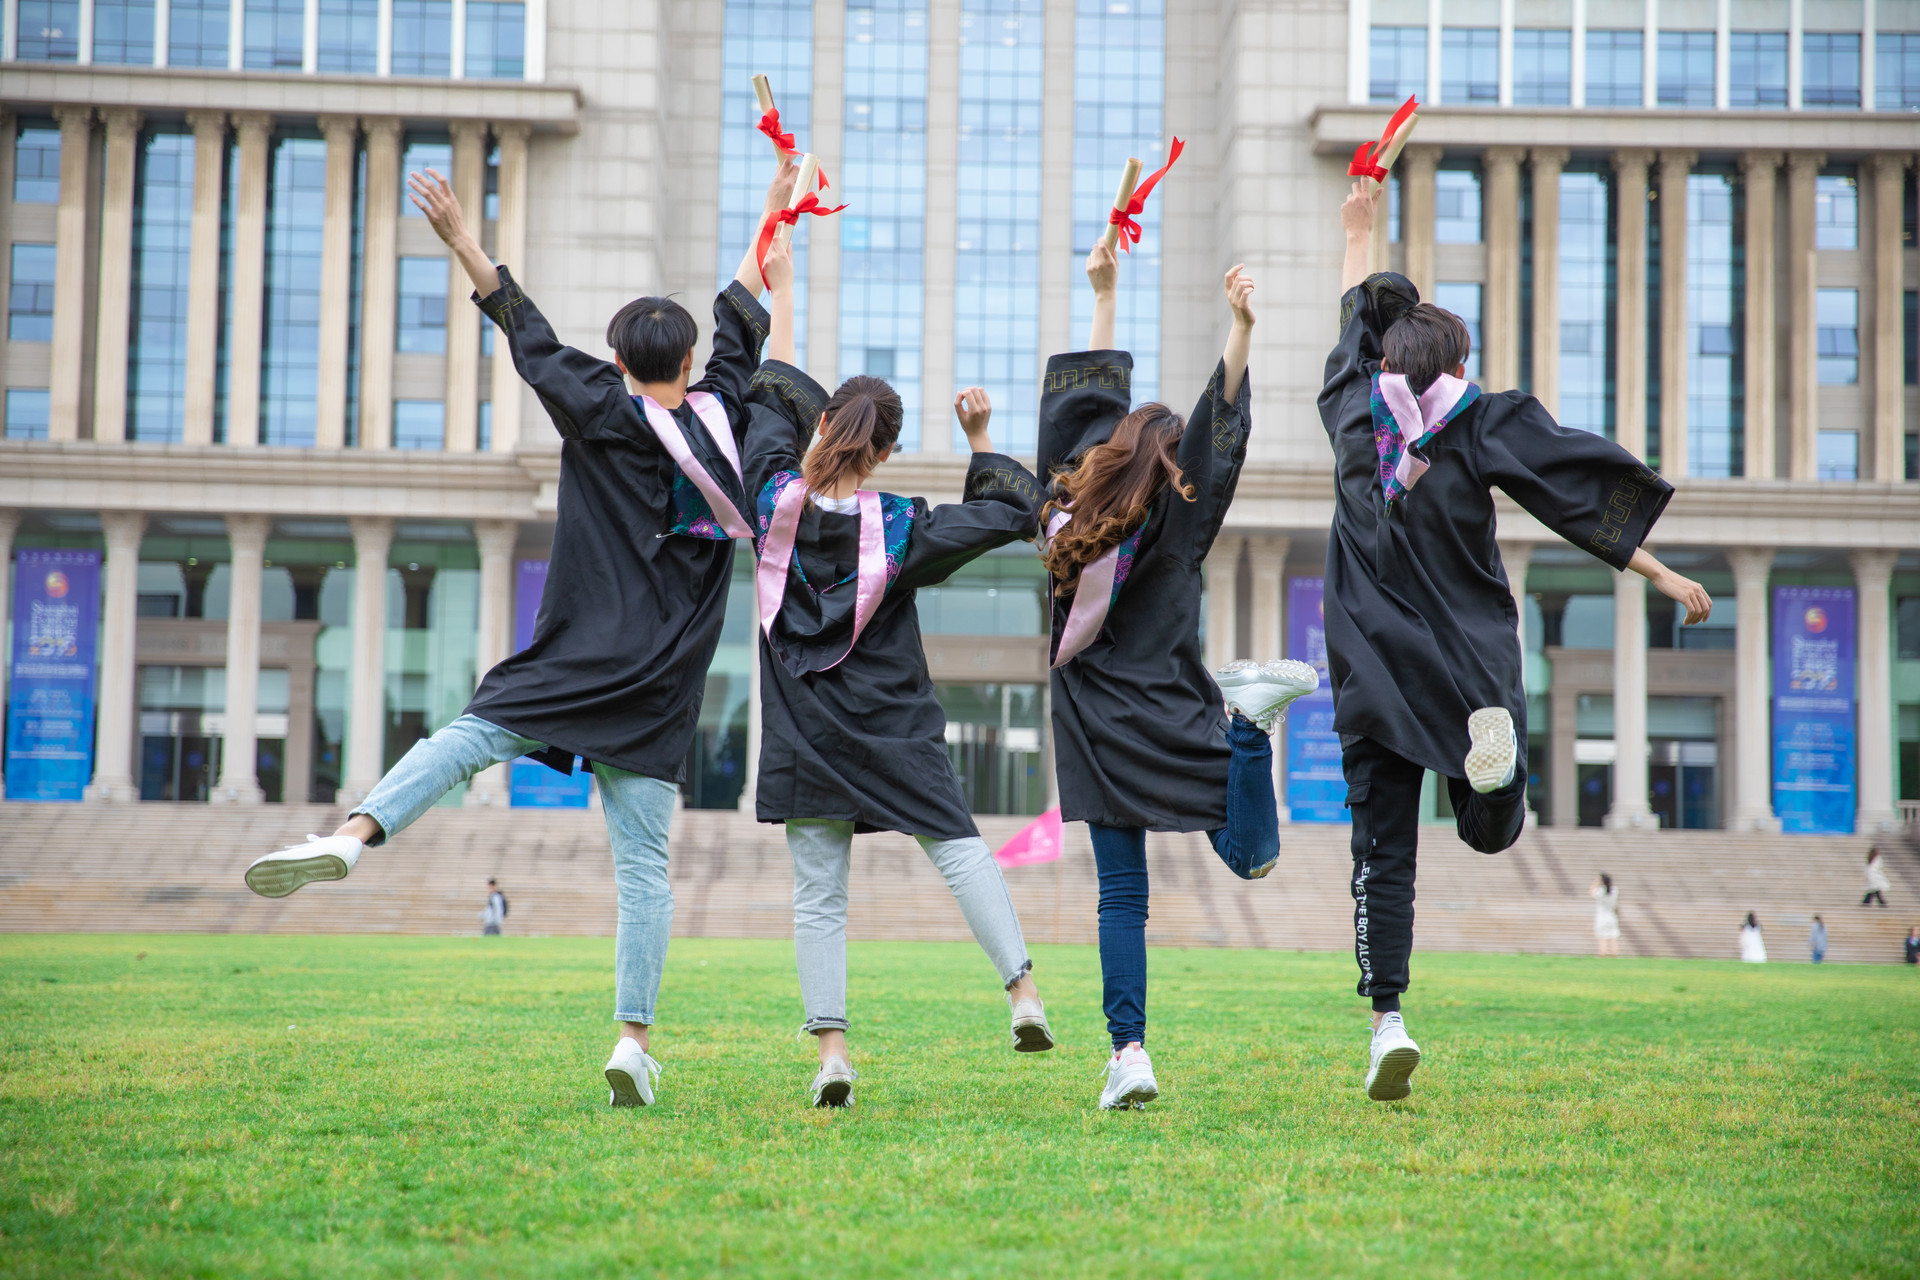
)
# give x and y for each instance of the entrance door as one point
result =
(178, 766)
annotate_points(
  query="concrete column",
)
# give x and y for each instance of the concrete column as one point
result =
(1500, 330)
(1059, 275)
(112, 317)
(1630, 315)
(1630, 799)
(1758, 170)
(239, 754)
(1267, 554)
(1548, 162)
(510, 247)
(1872, 576)
(69, 274)
(380, 284)
(1223, 591)
(827, 140)
(249, 276)
(203, 273)
(336, 283)
(366, 699)
(1888, 457)
(9, 525)
(1416, 215)
(753, 728)
(463, 319)
(1675, 451)
(496, 539)
(113, 778)
(942, 228)
(1516, 557)
(1803, 353)
(1753, 686)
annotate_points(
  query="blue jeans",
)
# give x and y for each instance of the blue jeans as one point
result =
(639, 814)
(1250, 839)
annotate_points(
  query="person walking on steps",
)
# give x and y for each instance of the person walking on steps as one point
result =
(1877, 882)
(1753, 948)
(1817, 940)
(1606, 915)
(495, 914)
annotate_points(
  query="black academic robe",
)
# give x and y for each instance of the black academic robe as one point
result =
(631, 614)
(1421, 623)
(864, 740)
(1138, 722)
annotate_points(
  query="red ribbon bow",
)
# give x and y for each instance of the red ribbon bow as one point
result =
(770, 125)
(1123, 218)
(810, 203)
(1365, 156)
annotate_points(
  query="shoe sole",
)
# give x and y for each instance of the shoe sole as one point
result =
(626, 1090)
(1261, 872)
(835, 1093)
(1389, 1082)
(278, 879)
(1134, 1099)
(1031, 1037)
(1492, 758)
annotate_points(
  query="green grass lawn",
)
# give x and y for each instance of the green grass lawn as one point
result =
(407, 1106)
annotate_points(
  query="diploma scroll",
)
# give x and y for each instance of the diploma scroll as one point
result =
(763, 91)
(1129, 178)
(802, 188)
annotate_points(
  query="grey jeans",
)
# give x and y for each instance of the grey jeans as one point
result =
(821, 851)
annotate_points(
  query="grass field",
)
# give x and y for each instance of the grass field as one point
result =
(268, 1106)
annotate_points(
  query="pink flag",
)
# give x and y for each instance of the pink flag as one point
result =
(1038, 841)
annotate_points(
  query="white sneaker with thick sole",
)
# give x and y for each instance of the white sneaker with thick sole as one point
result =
(1031, 1034)
(1394, 1057)
(1130, 1083)
(833, 1087)
(1262, 691)
(631, 1074)
(1495, 752)
(320, 858)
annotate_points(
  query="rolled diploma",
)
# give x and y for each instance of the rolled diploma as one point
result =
(1129, 178)
(801, 186)
(1396, 144)
(764, 92)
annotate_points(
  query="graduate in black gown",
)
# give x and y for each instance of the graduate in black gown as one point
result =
(1144, 739)
(1423, 650)
(651, 499)
(853, 738)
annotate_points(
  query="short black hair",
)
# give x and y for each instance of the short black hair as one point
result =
(489, 879)
(652, 336)
(1424, 343)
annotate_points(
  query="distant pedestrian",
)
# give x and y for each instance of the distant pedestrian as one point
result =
(496, 913)
(1877, 884)
(1817, 939)
(1753, 949)
(1913, 945)
(1606, 915)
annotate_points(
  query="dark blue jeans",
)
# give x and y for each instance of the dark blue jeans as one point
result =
(1250, 839)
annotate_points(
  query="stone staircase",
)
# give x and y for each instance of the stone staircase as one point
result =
(176, 868)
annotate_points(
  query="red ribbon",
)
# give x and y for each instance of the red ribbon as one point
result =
(770, 125)
(1367, 153)
(810, 203)
(1123, 218)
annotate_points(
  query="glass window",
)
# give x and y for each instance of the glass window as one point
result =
(290, 356)
(1838, 315)
(490, 202)
(356, 294)
(197, 33)
(1586, 304)
(484, 443)
(1469, 66)
(123, 32)
(1463, 299)
(1396, 63)
(1839, 455)
(1456, 206)
(882, 241)
(418, 156)
(1911, 332)
(1542, 68)
(1830, 69)
(223, 357)
(162, 243)
(419, 424)
(1686, 68)
(49, 31)
(36, 164)
(26, 414)
(496, 40)
(1613, 68)
(423, 305)
(1393, 208)
(30, 293)
(1896, 78)
(1758, 73)
(422, 38)
(1836, 212)
(1715, 307)
(349, 36)
(275, 34)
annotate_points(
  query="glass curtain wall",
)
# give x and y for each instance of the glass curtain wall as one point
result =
(1586, 302)
(1396, 64)
(275, 34)
(290, 355)
(197, 33)
(496, 39)
(1614, 68)
(349, 36)
(1715, 307)
(422, 38)
(1758, 72)
(123, 32)
(162, 245)
(1542, 67)
(48, 31)
(1470, 66)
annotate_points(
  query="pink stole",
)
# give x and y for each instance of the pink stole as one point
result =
(713, 416)
(776, 553)
(1091, 598)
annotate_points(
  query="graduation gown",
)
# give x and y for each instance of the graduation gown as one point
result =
(631, 612)
(1138, 722)
(1421, 624)
(862, 737)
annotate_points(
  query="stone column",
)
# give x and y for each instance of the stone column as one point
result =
(1058, 277)
(1500, 332)
(496, 539)
(1223, 591)
(1803, 353)
(1758, 169)
(1548, 162)
(1267, 554)
(366, 700)
(1675, 451)
(112, 317)
(1416, 215)
(1515, 557)
(827, 139)
(1753, 685)
(380, 284)
(510, 247)
(753, 726)
(942, 232)
(239, 754)
(203, 273)
(463, 318)
(9, 525)
(1630, 806)
(1888, 458)
(1872, 576)
(249, 275)
(336, 283)
(8, 130)
(1630, 315)
(69, 274)
(113, 778)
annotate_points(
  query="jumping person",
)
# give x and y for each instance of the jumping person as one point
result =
(852, 735)
(650, 498)
(1422, 645)
(1143, 738)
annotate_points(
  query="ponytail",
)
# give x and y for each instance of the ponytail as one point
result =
(861, 422)
(1109, 492)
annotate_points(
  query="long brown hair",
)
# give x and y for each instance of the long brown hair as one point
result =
(861, 422)
(1109, 491)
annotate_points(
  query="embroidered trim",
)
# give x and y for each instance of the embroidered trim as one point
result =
(1107, 377)
(750, 314)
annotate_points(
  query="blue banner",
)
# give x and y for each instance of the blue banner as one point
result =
(531, 785)
(1813, 693)
(56, 620)
(1316, 784)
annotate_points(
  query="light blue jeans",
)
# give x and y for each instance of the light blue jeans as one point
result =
(639, 814)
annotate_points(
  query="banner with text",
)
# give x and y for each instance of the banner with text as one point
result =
(56, 621)
(1813, 695)
(1316, 786)
(532, 785)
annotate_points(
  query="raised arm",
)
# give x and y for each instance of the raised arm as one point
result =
(433, 197)
(779, 192)
(1103, 272)
(1673, 586)
(1356, 219)
(1239, 286)
(780, 337)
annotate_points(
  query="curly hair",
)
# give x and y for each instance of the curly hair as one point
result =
(1109, 492)
(860, 423)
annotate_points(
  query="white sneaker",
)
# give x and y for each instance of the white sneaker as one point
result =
(632, 1074)
(1130, 1083)
(1031, 1034)
(1261, 692)
(1495, 752)
(833, 1087)
(320, 858)
(1394, 1058)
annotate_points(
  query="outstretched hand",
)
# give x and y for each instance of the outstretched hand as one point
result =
(973, 409)
(1239, 288)
(1103, 269)
(1357, 211)
(778, 268)
(433, 197)
(780, 190)
(1685, 591)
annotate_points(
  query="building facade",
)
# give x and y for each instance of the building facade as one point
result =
(238, 367)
